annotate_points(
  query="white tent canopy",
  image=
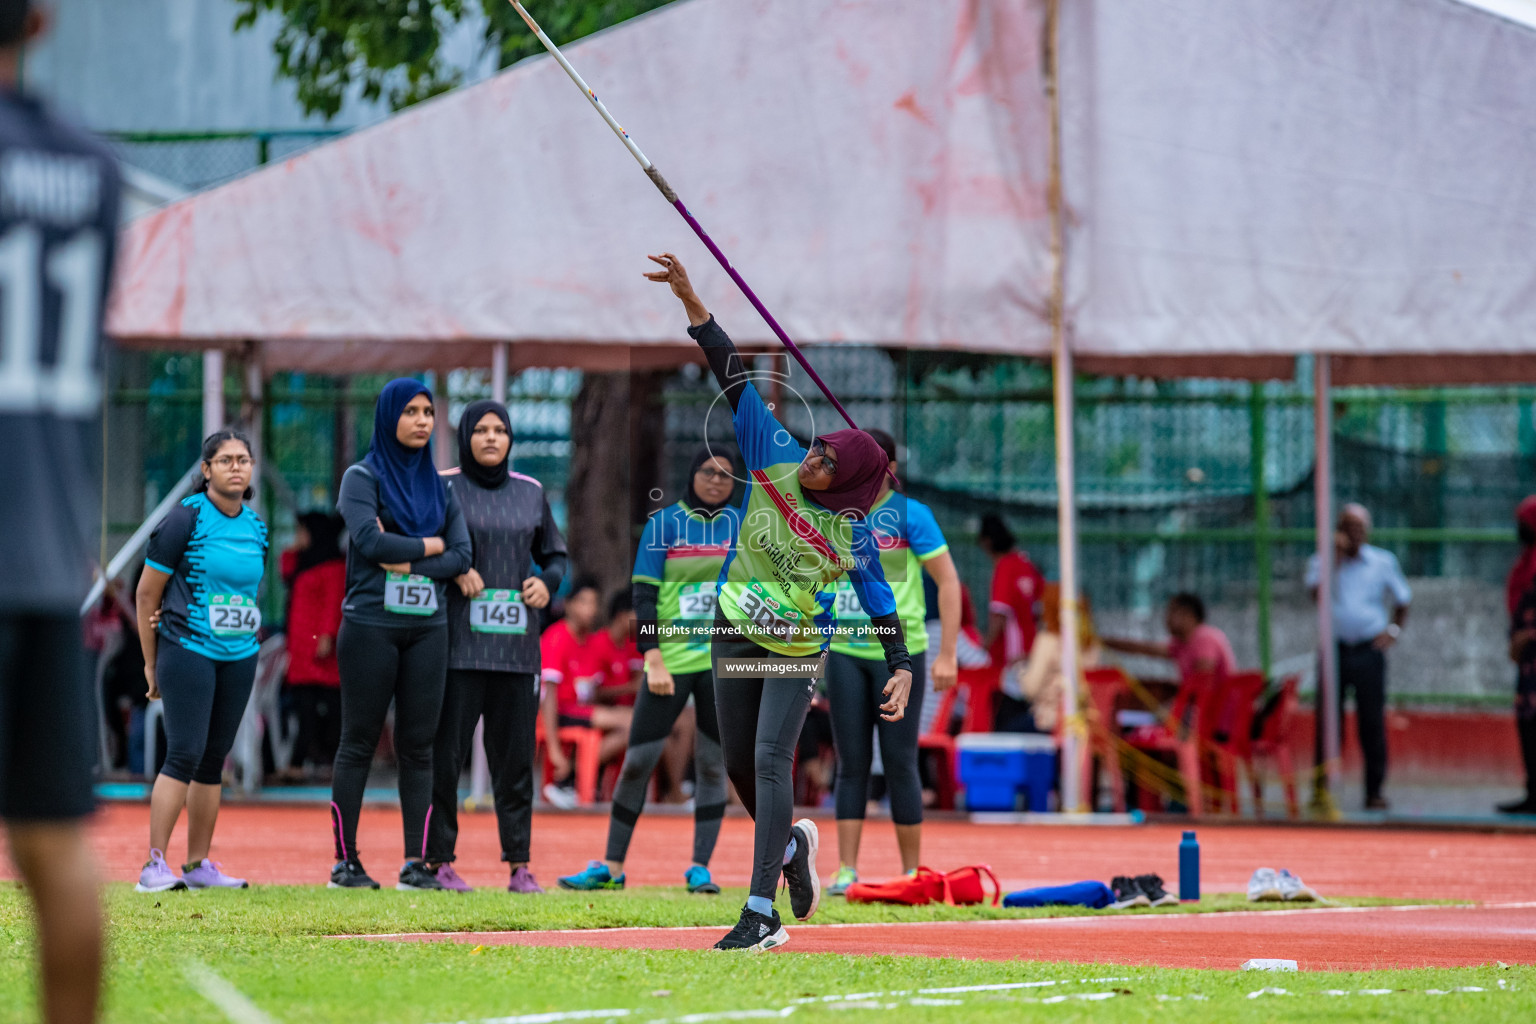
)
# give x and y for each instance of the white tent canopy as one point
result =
(873, 169)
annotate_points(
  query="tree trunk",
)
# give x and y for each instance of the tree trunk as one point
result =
(618, 437)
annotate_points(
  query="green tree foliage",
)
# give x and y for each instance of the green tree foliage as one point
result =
(391, 49)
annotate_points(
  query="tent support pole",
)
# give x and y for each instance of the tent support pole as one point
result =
(1263, 566)
(499, 372)
(213, 390)
(1074, 736)
(1328, 663)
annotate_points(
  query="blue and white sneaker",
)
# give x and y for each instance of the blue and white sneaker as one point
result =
(596, 876)
(700, 882)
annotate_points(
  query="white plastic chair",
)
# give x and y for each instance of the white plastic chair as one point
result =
(263, 717)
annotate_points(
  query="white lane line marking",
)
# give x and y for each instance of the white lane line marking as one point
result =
(553, 1017)
(222, 994)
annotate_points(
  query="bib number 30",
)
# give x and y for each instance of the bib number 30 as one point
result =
(409, 595)
(233, 615)
(765, 618)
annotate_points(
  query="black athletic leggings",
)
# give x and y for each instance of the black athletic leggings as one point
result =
(204, 702)
(319, 735)
(406, 664)
(760, 720)
(509, 702)
(648, 733)
(854, 691)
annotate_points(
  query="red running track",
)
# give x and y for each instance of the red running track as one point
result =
(286, 845)
(292, 845)
(1343, 939)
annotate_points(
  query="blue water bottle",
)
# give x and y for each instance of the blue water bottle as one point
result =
(1189, 868)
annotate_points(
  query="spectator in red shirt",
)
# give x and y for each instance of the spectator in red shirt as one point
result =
(1016, 587)
(626, 665)
(576, 663)
(1194, 645)
(318, 586)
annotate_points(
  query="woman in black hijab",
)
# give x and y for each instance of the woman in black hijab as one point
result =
(494, 620)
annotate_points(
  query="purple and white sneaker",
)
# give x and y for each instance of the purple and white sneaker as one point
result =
(207, 875)
(524, 882)
(449, 879)
(157, 875)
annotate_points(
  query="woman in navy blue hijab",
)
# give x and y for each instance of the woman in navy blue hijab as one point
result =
(407, 540)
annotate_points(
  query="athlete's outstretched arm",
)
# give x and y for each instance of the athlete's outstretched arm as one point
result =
(724, 360)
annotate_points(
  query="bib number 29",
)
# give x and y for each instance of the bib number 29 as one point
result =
(409, 595)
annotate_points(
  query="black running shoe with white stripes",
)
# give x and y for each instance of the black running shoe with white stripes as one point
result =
(1127, 894)
(755, 933)
(1152, 886)
(349, 874)
(800, 873)
(415, 876)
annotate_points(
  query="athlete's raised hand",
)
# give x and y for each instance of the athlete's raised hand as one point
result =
(675, 275)
(897, 690)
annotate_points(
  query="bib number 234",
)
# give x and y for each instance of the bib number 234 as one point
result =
(409, 595)
(233, 615)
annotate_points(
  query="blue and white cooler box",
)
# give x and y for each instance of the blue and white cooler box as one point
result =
(995, 766)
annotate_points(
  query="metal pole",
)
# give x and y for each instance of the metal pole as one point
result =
(499, 372)
(1328, 665)
(1072, 746)
(213, 390)
(1264, 568)
(445, 438)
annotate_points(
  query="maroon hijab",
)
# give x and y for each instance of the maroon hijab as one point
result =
(861, 473)
(1523, 574)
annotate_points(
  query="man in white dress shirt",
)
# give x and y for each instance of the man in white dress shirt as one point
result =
(1370, 607)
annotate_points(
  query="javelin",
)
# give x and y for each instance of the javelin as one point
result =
(677, 204)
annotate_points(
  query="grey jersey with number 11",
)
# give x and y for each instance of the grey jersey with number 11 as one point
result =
(59, 194)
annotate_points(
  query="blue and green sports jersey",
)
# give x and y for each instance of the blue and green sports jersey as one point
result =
(215, 563)
(682, 553)
(777, 583)
(908, 536)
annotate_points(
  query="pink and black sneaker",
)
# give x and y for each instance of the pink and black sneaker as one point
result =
(157, 875)
(449, 879)
(207, 875)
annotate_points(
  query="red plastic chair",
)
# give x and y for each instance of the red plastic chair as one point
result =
(938, 740)
(1105, 686)
(1274, 745)
(1237, 705)
(1197, 709)
(586, 745)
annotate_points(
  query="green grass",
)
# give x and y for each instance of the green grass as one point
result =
(271, 943)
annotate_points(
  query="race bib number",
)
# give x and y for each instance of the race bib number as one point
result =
(696, 601)
(770, 615)
(852, 619)
(498, 611)
(233, 615)
(409, 595)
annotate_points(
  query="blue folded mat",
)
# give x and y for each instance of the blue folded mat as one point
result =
(1077, 894)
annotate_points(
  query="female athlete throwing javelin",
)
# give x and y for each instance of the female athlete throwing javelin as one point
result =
(802, 529)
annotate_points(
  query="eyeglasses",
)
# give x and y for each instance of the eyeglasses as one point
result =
(232, 462)
(819, 449)
(710, 473)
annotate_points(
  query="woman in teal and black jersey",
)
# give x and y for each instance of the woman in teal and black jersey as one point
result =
(677, 571)
(198, 620)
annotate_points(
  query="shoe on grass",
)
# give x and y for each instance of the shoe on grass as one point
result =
(522, 881)
(700, 882)
(596, 876)
(800, 873)
(349, 874)
(208, 875)
(845, 877)
(755, 932)
(1295, 890)
(1152, 887)
(1264, 887)
(449, 879)
(1127, 893)
(157, 875)
(415, 876)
